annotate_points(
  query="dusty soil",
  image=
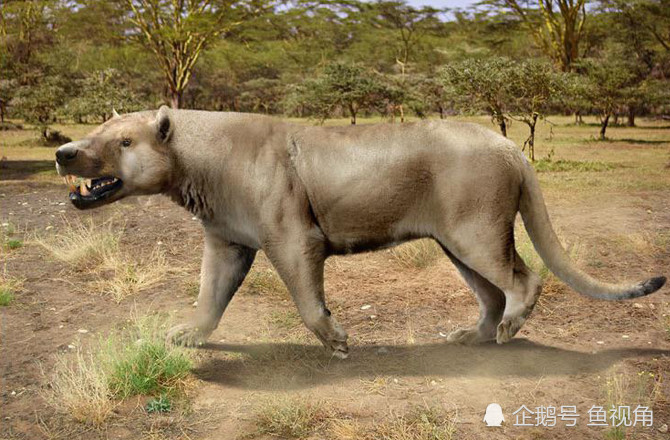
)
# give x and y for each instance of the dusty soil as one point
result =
(563, 355)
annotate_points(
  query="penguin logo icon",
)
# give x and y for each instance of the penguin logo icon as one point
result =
(494, 415)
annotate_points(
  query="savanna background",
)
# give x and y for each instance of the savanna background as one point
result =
(86, 297)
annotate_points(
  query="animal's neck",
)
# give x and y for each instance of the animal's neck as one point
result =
(189, 189)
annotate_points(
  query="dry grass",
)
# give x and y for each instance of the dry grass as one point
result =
(85, 244)
(378, 385)
(526, 251)
(628, 389)
(88, 384)
(80, 387)
(129, 277)
(286, 417)
(265, 282)
(96, 246)
(420, 423)
(417, 254)
(285, 319)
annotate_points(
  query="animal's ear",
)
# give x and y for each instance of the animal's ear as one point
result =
(164, 125)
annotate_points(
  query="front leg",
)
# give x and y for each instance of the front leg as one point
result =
(299, 259)
(224, 266)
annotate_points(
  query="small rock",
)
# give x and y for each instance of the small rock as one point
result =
(649, 211)
(600, 342)
(625, 337)
(159, 243)
(82, 330)
(194, 218)
(442, 334)
(195, 303)
(61, 204)
(373, 316)
(638, 306)
(61, 326)
(433, 383)
(663, 428)
(13, 393)
(395, 380)
(53, 309)
(49, 228)
(382, 350)
(366, 307)
(71, 346)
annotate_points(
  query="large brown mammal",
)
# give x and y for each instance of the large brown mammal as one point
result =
(303, 193)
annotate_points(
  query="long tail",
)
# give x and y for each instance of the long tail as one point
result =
(536, 219)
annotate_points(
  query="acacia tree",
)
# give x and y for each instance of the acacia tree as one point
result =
(532, 87)
(101, 92)
(339, 86)
(177, 32)
(557, 26)
(481, 84)
(606, 85)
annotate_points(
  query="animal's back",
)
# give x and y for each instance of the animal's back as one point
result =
(389, 173)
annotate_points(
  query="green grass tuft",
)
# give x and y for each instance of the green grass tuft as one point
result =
(141, 362)
(545, 165)
(13, 243)
(160, 404)
(6, 296)
(8, 288)
(135, 360)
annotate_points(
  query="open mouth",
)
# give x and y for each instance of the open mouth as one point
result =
(89, 193)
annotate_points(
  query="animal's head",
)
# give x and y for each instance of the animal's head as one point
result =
(127, 155)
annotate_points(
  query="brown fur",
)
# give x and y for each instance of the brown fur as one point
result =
(304, 193)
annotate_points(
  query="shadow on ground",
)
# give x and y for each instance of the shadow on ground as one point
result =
(26, 169)
(275, 366)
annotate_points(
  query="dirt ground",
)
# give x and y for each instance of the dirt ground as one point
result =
(569, 352)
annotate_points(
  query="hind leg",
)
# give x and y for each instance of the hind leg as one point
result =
(491, 307)
(521, 299)
(487, 250)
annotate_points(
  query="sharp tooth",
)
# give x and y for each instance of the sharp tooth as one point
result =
(70, 182)
(83, 190)
(88, 183)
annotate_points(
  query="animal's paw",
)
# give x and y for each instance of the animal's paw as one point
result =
(334, 339)
(187, 335)
(465, 336)
(508, 328)
(340, 349)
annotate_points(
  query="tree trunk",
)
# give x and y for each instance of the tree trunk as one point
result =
(175, 98)
(503, 126)
(531, 138)
(603, 126)
(402, 113)
(631, 118)
(2, 112)
(441, 109)
(352, 113)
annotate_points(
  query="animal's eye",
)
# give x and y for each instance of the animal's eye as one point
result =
(126, 142)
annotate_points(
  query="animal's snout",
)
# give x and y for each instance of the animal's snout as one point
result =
(66, 153)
